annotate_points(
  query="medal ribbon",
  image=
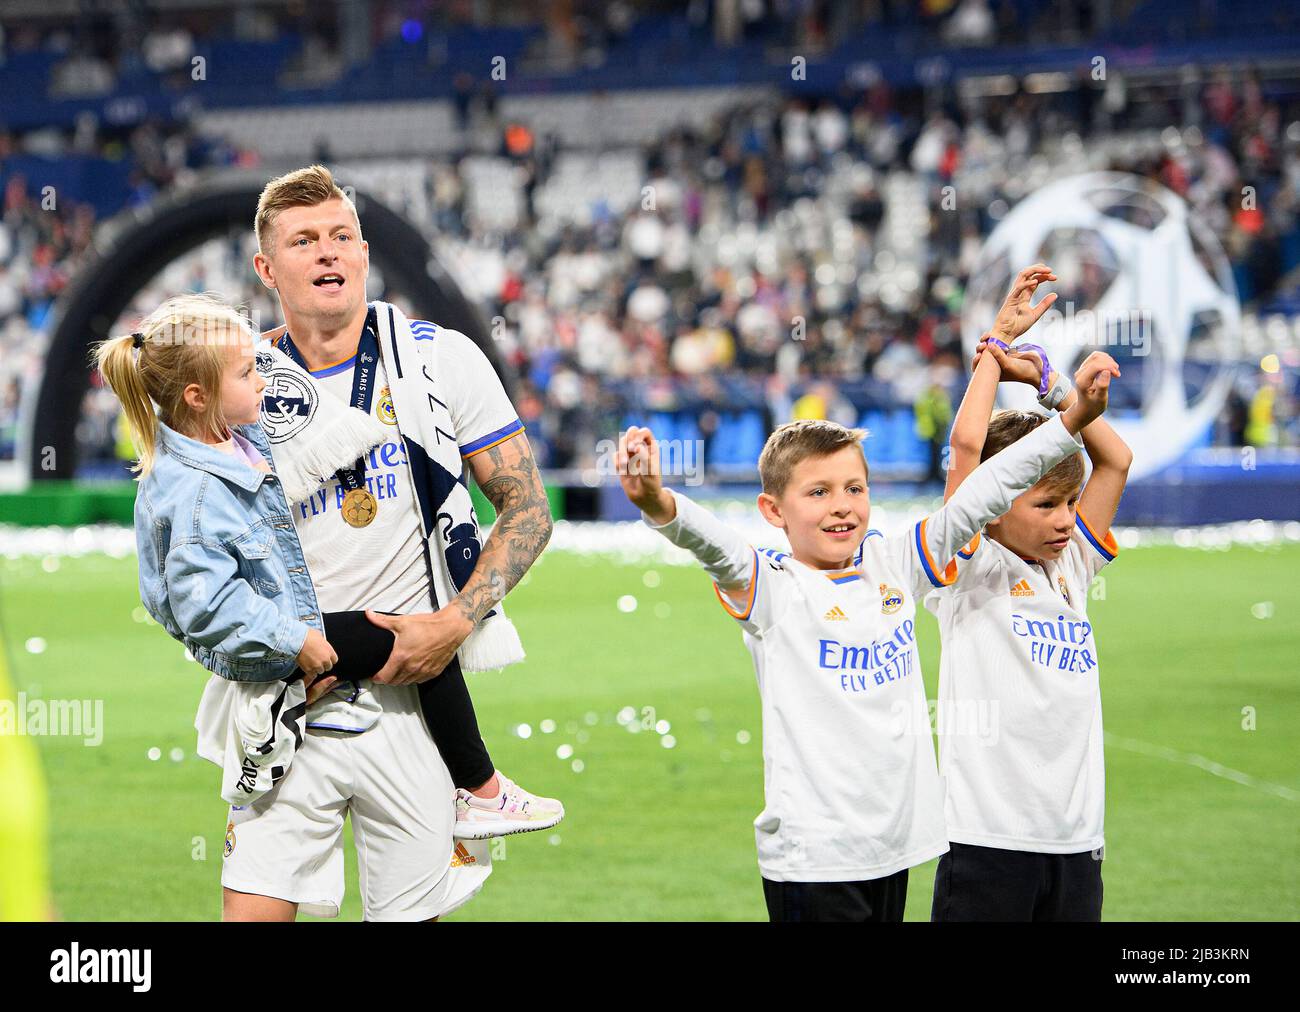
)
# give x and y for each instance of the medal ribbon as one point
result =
(363, 388)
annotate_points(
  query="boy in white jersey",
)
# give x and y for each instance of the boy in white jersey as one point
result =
(1025, 802)
(852, 800)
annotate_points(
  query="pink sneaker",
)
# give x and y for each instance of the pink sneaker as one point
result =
(513, 810)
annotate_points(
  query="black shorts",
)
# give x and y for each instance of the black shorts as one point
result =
(988, 884)
(878, 899)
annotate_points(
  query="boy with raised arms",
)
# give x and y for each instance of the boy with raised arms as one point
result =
(1025, 806)
(852, 800)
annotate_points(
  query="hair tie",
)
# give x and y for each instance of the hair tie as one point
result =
(137, 339)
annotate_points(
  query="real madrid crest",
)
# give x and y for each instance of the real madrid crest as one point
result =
(891, 599)
(387, 414)
(288, 403)
(230, 839)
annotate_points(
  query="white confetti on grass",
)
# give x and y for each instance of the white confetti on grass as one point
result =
(635, 543)
(154, 754)
(114, 540)
(35, 645)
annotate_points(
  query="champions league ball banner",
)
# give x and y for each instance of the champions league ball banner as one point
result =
(1140, 279)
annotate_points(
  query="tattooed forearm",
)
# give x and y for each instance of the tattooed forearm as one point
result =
(512, 484)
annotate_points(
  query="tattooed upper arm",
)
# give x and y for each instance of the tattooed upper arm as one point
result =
(508, 475)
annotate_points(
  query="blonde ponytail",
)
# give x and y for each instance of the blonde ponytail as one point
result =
(181, 342)
(118, 365)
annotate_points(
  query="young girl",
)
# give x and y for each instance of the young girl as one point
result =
(221, 567)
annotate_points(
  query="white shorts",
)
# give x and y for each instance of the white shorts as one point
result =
(289, 843)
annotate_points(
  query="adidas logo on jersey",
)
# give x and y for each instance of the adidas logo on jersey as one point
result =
(836, 614)
(1022, 589)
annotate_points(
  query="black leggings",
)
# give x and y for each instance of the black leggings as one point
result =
(363, 649)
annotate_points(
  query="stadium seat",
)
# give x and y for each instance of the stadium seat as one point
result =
(878, 445)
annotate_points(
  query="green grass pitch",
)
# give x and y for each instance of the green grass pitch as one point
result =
(657, 832)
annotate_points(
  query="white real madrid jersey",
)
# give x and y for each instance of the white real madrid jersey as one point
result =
(851, 790)
(1019, 715)
(382, 566)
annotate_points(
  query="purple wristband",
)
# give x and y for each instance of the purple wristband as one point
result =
(1043, 384)
(1001, 344)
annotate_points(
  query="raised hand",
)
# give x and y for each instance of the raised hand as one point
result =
(639, 473)
(1016, 315)
(1092, 389)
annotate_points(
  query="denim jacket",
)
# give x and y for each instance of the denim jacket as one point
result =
(221, 567)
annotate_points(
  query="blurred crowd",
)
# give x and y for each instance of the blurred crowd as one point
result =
(799, 258)
(796, 258)
(119, 42)
(44, 233)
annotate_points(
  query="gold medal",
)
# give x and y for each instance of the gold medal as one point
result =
(359, 508)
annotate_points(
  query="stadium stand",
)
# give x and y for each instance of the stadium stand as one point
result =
(643, 249)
